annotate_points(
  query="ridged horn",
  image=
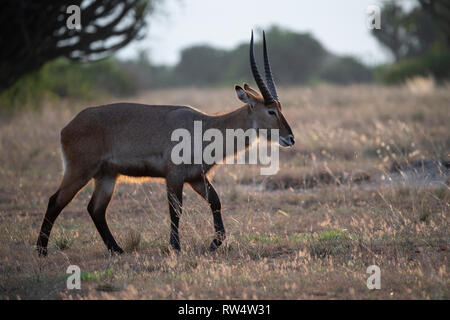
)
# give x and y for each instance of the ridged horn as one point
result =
(269, 77)
(268, 99)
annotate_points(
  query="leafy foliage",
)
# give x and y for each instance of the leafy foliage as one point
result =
(295, 58)
(66, 79)
(418, 39)
(407, 34)
(435, 63)
(345, 70)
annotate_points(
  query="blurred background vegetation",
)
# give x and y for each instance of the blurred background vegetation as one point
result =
(417, 38)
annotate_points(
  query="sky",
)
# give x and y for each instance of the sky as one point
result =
(341, 26)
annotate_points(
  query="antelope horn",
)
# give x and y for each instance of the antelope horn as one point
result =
(269, 78)
(268, 99)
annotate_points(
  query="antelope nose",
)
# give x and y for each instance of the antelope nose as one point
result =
(291, 139)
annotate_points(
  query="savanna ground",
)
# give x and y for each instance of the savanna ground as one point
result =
(366, 184)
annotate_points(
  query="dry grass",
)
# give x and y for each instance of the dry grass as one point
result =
(309, 232)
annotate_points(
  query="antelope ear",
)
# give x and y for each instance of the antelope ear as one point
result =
(251, 90)
(244, 96)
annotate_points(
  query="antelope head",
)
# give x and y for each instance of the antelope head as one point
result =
(264, 106)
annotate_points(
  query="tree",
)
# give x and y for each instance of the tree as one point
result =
(201, 65)
(406, 34)
(390, 33)
(34, 32)
(345, 70)
(294, 57)
(439, 10)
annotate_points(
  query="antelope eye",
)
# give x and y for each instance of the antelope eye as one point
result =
(272, 113)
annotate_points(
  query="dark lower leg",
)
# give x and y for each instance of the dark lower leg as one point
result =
(97, 210)
(70, 185)
(50, 216)
(174, 237)
(174, 194)
(219, 228)
(204, 188)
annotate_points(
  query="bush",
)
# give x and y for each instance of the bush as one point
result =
(345, 70)
(436, 64)
(62, 78)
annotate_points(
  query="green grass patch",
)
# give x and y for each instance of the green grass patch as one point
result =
(330, 243)
(95, 275)
(263, 238)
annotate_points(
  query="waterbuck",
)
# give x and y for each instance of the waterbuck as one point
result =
(105, 142)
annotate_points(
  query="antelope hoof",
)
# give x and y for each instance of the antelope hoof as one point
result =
(215, 244)
(42, 252)
(175, 244)
(116, 250)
